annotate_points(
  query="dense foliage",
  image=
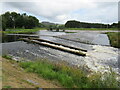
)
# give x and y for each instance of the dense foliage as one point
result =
(77, 24)
(17, 20)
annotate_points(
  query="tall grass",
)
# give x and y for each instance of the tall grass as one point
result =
(22, 31)
(114, 39)
(7, 57)
(70, 77)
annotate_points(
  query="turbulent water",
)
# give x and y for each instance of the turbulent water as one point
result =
(99, 57)
(102, 58)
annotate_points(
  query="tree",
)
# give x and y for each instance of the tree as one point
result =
(3, 22)
(14, 17)
(61, 26)
(72, 24)
(77, 24)
(31, 22)
(16, 20)
(119, 25)
(9, 22)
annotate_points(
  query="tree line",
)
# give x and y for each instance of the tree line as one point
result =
(17, 20)
(78, 24)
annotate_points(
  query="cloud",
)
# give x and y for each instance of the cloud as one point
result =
(119, 11)
(62, 10)
(104, 13)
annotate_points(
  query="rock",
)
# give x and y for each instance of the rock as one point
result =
(31, 81)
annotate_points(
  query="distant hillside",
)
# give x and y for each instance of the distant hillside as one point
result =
(47, 23)
(78, 24)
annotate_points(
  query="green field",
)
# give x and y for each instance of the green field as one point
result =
(91, 28)
(23, 31)
(114, 39)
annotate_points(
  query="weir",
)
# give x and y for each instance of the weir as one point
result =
(58, 46)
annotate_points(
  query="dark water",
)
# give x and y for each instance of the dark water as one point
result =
(9, 38)
(14, 37)
(47, 35)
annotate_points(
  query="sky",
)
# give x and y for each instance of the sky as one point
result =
(60, 11)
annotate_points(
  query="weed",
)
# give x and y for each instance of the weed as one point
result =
(23, 31)
(7, 57)
(114, 39)
(7, 87)
(69, 76)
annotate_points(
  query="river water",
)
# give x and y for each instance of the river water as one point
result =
(99, 57)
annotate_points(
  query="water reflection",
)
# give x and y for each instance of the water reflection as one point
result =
(9, 38)
(48, 35)
(14, 37)
(93, 38)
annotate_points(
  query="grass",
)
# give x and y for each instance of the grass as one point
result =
(92, 29)
(7, 87)
(7, 57)
(114, 39)
(22, 31)
(70, 77)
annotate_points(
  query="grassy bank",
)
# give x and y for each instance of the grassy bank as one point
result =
(59, 74)
(91, 28)
(13, 76)
(70, 77)
(22, 31)
(114, 39)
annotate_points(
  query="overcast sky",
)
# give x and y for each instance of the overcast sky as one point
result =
(59, 11)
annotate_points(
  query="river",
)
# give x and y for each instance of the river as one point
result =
(100, 56)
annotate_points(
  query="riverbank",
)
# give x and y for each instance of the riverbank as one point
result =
(114, 39)
(93, 29)
(16, 77)
(42, 74)
(22, 31)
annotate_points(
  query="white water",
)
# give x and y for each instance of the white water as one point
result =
(102, 58)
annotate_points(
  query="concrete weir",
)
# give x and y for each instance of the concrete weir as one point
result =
(58, 46)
